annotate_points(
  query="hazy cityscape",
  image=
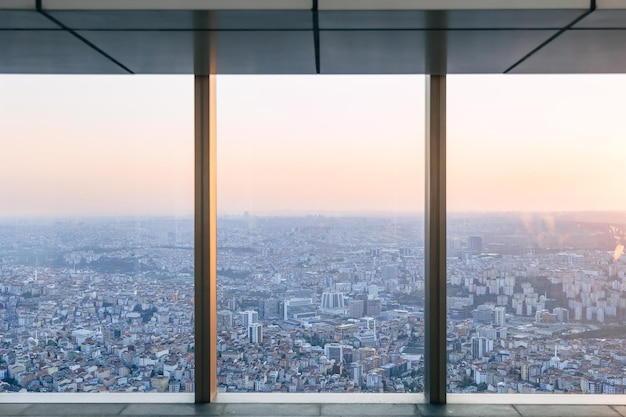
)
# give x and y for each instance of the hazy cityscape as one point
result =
(536, 304)
(97, 305)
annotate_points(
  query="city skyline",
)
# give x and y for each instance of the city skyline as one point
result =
(535, 302)
(114, 145)
(312, 304)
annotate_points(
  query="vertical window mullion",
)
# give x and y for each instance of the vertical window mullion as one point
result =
(435, 245)
(205, 239)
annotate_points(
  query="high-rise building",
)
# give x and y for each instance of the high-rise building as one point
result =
(334, 351)
(356, 309)
(499, 315)
(270, 308)
(299, 309)
(480, 346)
(332, 300)
(249, 317)
(224, 319)
(483, 314)
(562, 314)
(255, 333)
(373, 307)
(356, 372)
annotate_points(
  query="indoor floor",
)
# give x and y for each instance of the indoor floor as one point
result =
(381, 410)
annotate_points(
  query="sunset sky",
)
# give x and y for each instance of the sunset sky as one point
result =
(81, 145)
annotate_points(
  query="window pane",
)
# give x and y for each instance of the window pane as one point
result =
(320, 234)
(96, 234)
(536, 227)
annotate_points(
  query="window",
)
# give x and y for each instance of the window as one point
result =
(535, 235)
(96, 234)
(320, 241)
(320, 234)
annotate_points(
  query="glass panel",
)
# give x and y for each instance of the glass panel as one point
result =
(96, 234)
(320, 233)
(536, 223)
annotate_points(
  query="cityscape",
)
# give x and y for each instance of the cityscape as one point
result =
(96, 305)
(314, 303)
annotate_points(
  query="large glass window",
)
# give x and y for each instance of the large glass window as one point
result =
(320, 234)
(536, 224)
(96, 234)
(320, 238)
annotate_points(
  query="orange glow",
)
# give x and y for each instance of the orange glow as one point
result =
(123, 145)
(91, 145)
(535, 143)
(320, 144)
(618, 235)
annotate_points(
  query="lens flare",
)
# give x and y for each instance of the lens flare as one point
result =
(619, 251)
(619, 236)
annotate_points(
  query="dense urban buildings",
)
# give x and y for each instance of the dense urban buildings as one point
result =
(540, 308)
(90, 305)
(314, 304)
(339, 302)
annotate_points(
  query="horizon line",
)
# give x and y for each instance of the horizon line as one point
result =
(295, 213)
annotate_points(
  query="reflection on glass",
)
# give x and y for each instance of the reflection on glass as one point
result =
(320, 234)
(96, 235)
(536, 226)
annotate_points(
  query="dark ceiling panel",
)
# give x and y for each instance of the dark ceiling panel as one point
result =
(490, 51)
(263, 19)
(265, 53)
(370, 19)
(453, 19)
(278, 42)
(580, 51)
(513, 19)
(372, 52)
(50, 52)
(188, 52)
(131, 19)
(438, 52)
(25, 19)
(184, 20)
(148, 52)
(604, 19)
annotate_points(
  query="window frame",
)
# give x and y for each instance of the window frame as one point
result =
(205, 218)
(435, 387)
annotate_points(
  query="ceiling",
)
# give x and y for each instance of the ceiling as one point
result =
(312, 36)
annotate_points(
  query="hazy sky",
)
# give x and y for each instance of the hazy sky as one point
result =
(124, 144)
(96, 145)
(536, 142)
(321, 144)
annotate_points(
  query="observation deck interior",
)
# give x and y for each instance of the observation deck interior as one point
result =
(313, 37)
